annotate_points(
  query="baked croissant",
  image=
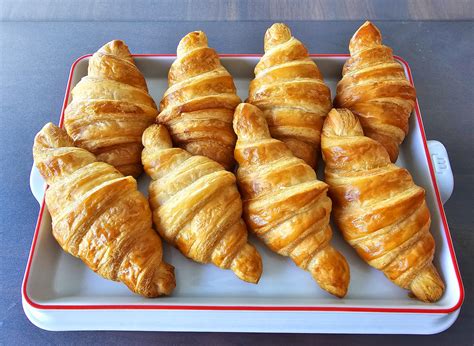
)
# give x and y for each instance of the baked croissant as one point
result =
(199, 104)
(284, 203)
(289, 89)
(99, 215)
(197, 207)
(111, 108)
(375, 88)
(378, 207)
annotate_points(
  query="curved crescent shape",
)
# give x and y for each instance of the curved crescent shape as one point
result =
(99, 215)
(378, 207)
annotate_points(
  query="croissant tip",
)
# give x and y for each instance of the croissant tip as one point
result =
(192, 40)
(249, 122)
(156, 135)
(276, 27)
(367, 35)
(339, 292)
(368, 25)
(163, 283)
(118, 48)
(247, 265)
(277, 34)
(197, 34)
(246, 107)
(49, 126)
(428, 285)
(331, 271)
(116, 41)
(52, 136)
(342, 122)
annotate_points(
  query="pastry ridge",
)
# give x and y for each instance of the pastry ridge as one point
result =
(199, 103)
(110, 109)
(378, 208)
(99, 216)
(290, 90)
(196, 206)
(284, 203)
(375, 88)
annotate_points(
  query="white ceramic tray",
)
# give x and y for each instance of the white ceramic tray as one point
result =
(60, 293)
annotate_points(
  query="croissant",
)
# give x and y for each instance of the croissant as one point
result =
(99, 215)
(284, 203)
(375, 88)
(289, 89)
(111, 108)
(378, 207)
(199, 104)
(197, 207)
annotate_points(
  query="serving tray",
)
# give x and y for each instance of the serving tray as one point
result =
(60, 293)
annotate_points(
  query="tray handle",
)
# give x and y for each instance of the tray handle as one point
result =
(37, 184)
(442, 169)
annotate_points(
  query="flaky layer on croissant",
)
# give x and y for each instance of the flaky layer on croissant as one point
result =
(289, 89)
(284, 203)
(99, 215)
(197, 207)
(111, 108)
(378, 207)
(375, 88)
(199, 104)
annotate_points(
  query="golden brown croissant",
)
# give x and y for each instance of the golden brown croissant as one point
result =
(199, 104)
(375, 88)
(378, 207)
(290, 91)
(197, 207)
(284, 203)
(111, 108)
(100, 216)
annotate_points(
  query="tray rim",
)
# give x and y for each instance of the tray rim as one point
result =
(447, 233)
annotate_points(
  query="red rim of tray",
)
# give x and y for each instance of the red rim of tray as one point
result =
(248, 307)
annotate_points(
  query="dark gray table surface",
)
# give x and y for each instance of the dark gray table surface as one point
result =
(34, 66)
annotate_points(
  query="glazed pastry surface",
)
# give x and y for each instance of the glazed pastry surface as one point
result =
(199, 104)
(111, 108)
(285, 204)
(375, 88)
(289, 89)
(99, 216)
(381, 212)
(197, 207)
